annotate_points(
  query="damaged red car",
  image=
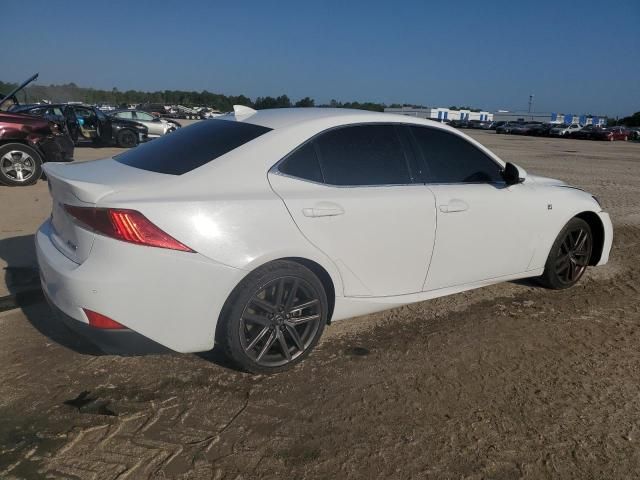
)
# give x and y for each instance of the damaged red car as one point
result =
(27, 141)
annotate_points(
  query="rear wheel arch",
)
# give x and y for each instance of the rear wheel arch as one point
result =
(324, 277)
(597, 230)
(318, 270)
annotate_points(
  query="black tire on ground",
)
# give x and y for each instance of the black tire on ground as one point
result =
(127, 138)
(273, 318)
(19, 165)
(569, 255)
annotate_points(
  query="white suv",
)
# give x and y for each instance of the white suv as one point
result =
(565, 130)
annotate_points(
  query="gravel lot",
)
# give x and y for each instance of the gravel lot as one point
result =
(510, 381)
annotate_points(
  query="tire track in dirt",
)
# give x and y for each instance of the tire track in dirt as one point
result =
(475, 400)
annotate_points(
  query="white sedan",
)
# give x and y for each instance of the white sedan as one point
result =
(256, 229)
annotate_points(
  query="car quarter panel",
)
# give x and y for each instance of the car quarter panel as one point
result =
(173, 298)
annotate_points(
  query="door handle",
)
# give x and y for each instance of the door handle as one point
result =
(323, 209)
(455, 205)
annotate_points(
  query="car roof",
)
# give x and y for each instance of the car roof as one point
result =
(277, 118)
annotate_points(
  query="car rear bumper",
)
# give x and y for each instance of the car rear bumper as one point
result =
(113, 342)
(172, 298)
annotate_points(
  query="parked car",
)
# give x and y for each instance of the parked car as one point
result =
(27, 141)
(86, 122)
(523, 128)
(459, 123)
(634, 133)
(588, 132)
(541, 129)
(564, 130)
(480, 125)
(265, 246)
(157, 126)
(507, 127)
(614, 133)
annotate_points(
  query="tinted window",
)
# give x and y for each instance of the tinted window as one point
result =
(452, 159)
(303, 163)
(144, 116)
(191, 147)
(363, 155)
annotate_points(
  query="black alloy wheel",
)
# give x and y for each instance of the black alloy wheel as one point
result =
(569, 256)
(280, 322)
(274, 318)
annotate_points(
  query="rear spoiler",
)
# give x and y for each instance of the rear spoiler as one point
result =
(87, 192)
(18, 88)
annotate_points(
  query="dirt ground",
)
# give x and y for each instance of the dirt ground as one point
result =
(510, 381)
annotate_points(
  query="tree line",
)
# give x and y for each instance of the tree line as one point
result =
(72, 92)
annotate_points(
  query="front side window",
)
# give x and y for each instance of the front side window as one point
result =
(451, 159)
(127, 115)
(363, 155)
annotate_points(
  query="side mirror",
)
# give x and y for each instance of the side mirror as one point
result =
(512, 174)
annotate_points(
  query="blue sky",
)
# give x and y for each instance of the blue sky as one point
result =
(579, 57)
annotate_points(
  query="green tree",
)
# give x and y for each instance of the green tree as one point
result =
(305, 102)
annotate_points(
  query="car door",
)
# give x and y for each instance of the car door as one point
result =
(155, 126)
(353, 194)
(72, 123)
(486, 229)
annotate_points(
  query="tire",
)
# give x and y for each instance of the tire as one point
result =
(127, 138)
(20, 165)
(260, 328)
(569, 256)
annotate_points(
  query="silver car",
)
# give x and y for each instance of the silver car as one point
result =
(157, 126)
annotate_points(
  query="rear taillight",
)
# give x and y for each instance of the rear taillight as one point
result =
(126, 225)
(97, 320)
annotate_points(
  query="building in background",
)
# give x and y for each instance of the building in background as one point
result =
(439, 113)
(548, 117)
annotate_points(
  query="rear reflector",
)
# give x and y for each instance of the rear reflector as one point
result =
(97, 320)
(126, 225)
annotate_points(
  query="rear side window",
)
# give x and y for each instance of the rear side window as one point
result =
(452, 159)
(303, 163)
(191, 147)
(363, 155)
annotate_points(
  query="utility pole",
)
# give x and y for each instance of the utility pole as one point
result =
(530, 104)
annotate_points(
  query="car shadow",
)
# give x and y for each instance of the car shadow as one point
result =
(528, 282)
(21, 271)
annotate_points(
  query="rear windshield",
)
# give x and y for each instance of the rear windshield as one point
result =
(189, 148)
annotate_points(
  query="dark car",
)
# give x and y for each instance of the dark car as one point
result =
(459, 123)
(541, 130)
(27, 141)
(590, 132)
(85, 122)
(523, 128)
(507, 127)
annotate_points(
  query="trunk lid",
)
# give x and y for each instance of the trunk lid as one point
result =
(83, 185)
